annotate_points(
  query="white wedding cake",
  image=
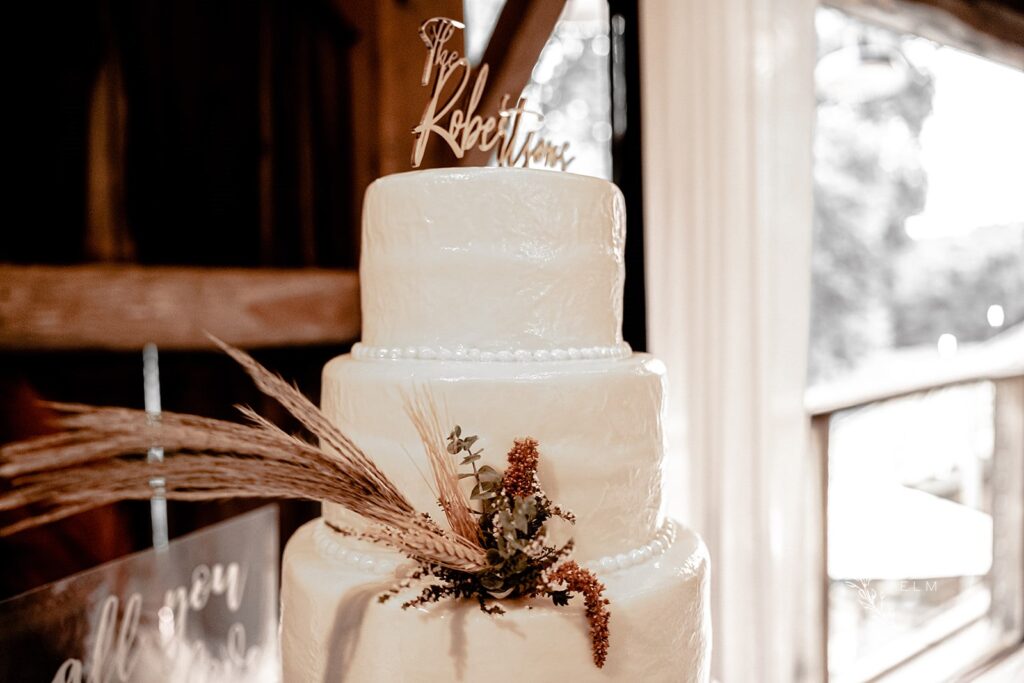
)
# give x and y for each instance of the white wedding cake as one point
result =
(499, 291)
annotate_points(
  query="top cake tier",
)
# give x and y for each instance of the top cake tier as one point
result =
(507, 263)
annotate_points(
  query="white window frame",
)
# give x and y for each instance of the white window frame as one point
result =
(728, 116)
(960, 646)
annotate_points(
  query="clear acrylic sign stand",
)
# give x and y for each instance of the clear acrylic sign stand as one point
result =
(199, 609)
(203, 609)
(151, 398)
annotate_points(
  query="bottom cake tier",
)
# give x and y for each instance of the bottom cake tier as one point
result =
(333, 627)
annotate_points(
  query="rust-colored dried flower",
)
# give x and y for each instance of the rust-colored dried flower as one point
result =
(520, 479)
(580, 580)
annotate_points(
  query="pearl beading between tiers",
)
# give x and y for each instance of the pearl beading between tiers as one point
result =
(383, 563)
(325, 539)
(661, 542)
(362, 351)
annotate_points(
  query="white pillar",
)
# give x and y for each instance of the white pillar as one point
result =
(728, 106)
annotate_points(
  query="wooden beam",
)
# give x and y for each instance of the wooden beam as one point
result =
(1000, 20)
(124, 307)
(994, 30)
(523, 29)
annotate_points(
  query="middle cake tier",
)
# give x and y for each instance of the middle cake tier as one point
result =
(598, 424)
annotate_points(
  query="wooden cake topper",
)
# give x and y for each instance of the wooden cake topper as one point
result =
(467, 129)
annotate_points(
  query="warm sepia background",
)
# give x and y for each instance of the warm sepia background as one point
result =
(201, 167)
(826, 246)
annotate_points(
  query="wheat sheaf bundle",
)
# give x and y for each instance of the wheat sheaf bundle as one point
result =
(97, 456)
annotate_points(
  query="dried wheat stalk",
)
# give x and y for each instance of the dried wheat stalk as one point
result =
(97, 457)
(452, 498)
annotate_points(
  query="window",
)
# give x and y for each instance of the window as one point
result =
(919, 217)
(913, 485)
(571, 82)
(918, 301)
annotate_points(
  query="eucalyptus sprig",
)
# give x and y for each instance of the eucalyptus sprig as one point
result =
(487, 480)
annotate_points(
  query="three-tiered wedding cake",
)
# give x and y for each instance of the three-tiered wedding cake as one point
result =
(499, 291)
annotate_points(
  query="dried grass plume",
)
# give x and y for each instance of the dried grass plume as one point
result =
(97, 456)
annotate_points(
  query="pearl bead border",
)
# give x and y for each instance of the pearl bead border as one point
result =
(330, 548)
(362, 351)
(658, 546)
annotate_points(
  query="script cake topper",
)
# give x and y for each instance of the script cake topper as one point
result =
(466, 128)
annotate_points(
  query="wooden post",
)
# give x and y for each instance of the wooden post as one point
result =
(266, 103)
(386, 97)
(815, 620)
(107, 237)
(1008, 505)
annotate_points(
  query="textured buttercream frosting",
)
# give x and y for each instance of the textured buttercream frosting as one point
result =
(334, 629)
(492, 259)
(499, 292)
(598, 424)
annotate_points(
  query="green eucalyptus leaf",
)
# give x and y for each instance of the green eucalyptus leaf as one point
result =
(489, 474)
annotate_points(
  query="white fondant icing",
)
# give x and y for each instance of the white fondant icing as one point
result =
(495, 259)
(334, 629)
(598, 423)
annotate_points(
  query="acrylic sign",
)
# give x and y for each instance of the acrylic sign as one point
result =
(204, 609)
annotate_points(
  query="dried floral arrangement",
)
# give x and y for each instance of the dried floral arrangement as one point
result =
(496, 547)
(508, 525)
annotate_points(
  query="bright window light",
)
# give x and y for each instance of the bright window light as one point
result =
(947, 345)
(996, 316)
